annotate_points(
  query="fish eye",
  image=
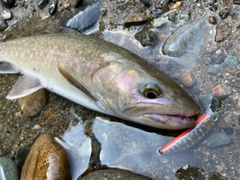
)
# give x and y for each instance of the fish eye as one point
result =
(151, 90)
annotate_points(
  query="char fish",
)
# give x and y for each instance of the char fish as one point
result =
(98, 75)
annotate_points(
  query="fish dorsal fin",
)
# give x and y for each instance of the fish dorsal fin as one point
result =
(24, 86)
(7, 68)
(70, 79)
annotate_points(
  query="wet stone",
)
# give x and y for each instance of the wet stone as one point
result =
(74, 3)
(231, 61)
(222, 90)
(20, 157)
(222, 32)
(212, 20)
(187, 79)
(46, 160)
(42, 3)
(215, 69)
(224, 13)
(8, 169)
(115, 174)
(6, 14)
(136, 19)
(218, 139)
(33, 104)
(228, 130)
(159, 22)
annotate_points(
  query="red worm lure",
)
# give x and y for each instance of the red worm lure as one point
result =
(192, 135)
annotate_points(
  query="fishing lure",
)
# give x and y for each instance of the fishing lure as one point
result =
(191, 136)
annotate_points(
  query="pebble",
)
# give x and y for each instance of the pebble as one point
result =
(52, 7)
(222, 90)
(42, 3)
(146, 2)
(177, 5)
(187, 79)
(231, 61)
(164, 8)
(6, 14)
(137, 18)
(215, 69)
(212, 20)
(8, 170)
(158, 22)
(218, 139)
(224, 13)
(74, 3)
(222, 32)
(33, 104)
(228, 130)
(115, 174)
(184, 17)
(46, 160)
(7, 3)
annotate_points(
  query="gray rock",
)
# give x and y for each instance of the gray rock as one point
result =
(187, 39)
(8, 170)
(115, 174)
(231, 61)
(215, 69)
(159, 22)
(74, 3)
(42, 3)
(218, 139)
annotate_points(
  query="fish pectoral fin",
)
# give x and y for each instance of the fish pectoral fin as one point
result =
(7, 68)
(70, 79)
(24, 86)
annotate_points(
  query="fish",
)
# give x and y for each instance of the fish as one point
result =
(98, 75)
(191, 136)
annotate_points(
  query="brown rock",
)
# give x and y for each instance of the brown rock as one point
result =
(33, 104)
(136, 19)
(187, 79)
(222, 90)
(222, 32)
(46, 160)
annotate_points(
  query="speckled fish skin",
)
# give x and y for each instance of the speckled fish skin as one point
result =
(113, 76)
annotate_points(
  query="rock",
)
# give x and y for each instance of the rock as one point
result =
(165, 8)
(224, 13)
(146, 2)
(228, 130)
(6, 14)
(74, 3)
(42, 3)
(187, 79)
(184, 17)
(177, 5)
(212, 20)
(222, 90)
(231, 61)
(52, 7)
(33, 104)
(136, 19)
(115, 174)
(218, 139)
(7, 3)
(8, 170)
(186, 39)
(222, 32)
(215, 69)
(46, 160)
(159, 22)
(3, 24)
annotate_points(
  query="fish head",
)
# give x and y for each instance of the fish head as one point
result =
(144, 96)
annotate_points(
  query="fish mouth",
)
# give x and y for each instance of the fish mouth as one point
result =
(171, 122)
